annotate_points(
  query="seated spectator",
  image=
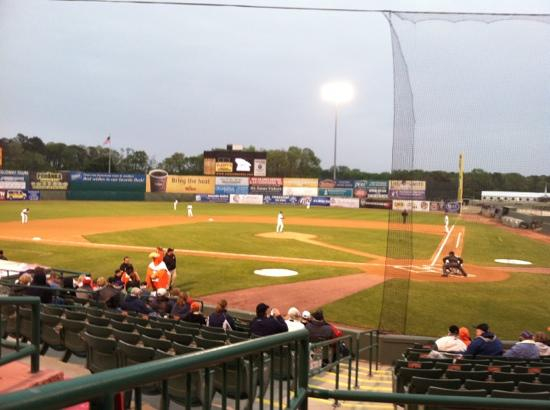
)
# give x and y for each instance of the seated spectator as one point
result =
(118, 277)
(451, 343)
(100, 283)
(306, 317)
(68, 283)
(53, 280)
(318, 328)
(161, 303)
(264, 325)
(134, 303)
(43, 291)
(541, 341)
(85, 291)
(464, 335)
(525, 348)
(132, 281)
(485, 343)
(21, 284)
(182, 307)
(220, 317)
(109, 294)
(2, 256)
(293, 320)
(195, 315)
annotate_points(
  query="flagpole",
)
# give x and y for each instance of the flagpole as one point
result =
(109, 153)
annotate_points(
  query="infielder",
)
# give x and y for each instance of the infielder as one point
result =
(25, 215)
(446, 223)
(280, 222)
(175, 205)
(189, 210)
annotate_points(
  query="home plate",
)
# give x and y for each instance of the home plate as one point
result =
(513, 261)
(36, 238)
(275, 273)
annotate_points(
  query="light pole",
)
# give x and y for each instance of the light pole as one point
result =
(337, 93)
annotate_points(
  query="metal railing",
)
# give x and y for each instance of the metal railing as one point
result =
(32, 350)
(373, 347)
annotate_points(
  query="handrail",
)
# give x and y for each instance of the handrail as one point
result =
(106, 384)
(408, 398)
(34, 350)
(373, 345)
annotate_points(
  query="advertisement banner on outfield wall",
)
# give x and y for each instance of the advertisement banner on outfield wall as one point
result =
(246, 199)
(11, 179)
(443, 206)
(374, 204)
(370, 189)
(103, 181)
(231, 189)
(158, 180)
(222, 199)
(344, 202)
(345, 192)
(285, 200)
(265, 186)
(339, 183)
(415, 190)
(300, 182)
(19, 195)
(300, 191)
(416, 206)
(320, 201)
(233, 181)
(54, 181)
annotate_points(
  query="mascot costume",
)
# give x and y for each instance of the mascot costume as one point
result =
(157, 273)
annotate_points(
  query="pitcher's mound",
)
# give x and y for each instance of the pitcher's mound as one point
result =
(286, 235)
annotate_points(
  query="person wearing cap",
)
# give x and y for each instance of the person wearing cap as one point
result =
(306, 317)
(293, 321)
(109, 294)
(161, 303)
(525, 348)
(451, 343)
(264, 325)
(453, 261)
(157, 275)
(318, 328)
(134, 303)
(280, 222)
(170, 262)
(195, 315)
(485, 343)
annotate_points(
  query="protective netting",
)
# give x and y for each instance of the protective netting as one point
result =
(477, 84)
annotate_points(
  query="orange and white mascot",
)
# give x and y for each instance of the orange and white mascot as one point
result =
(157, 273)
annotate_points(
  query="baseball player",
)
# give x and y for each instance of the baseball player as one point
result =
(175, 205)
(25, 215)
(189, 210)
(446, 223)
(280, 222)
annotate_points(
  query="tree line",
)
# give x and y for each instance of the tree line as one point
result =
(31, 153)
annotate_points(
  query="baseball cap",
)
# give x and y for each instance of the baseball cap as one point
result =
(306, 315)
(526, 334)
(484, 327)
(261, 309)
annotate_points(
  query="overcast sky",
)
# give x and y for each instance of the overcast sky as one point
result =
(172, 78)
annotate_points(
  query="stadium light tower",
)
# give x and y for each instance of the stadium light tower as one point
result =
(337, 93)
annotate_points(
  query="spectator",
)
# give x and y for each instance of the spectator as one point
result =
(119, 277)
(451, 343)
(68, 287)
(464, 335)
(133, 281)
(541, 342)
(306, 317)
(293, 321)
(21, 285)
(108, 294)
(133, 303)
(182, 307)
(54, 280)
(195, 315)
(85, 291)
(2, 256)
(264, 325)
(525, 348)
(100, 283)
(43, 289)
(318, 328)
(161, 303)
(485, 343)
(170, 262)
(126, 266)
(220, 317)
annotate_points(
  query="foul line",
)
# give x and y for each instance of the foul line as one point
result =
(436, 257)
(458, 240)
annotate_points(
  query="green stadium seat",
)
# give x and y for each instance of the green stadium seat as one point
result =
(515, 377)
(248, 381)
(125, 327)
(420, 385)
(453, 366)
(405, 374)
(187, 330)
(52, 310)
(94, 311)
(213, 335)
(237, 333)
(50, 329)
(130, 354)
(147, 331)
(99, 331)
(26, 322)
(72, 338)
(101, 353)
(493, 368)
(533, 387)
(178, 337)
(452, 392)
(128, 337)
(463, 375)
(503, 394)
(161, 325)
(544, 378)
(98, 321)
(136, 320)
(113, 315)
(488, 386)
(159, 344)
(75, 315)
(236, 339)
(213, 329)
(184, 349)
(208, 343)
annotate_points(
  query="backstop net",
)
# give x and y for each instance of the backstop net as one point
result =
(471, 84)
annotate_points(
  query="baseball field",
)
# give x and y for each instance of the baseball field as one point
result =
(339, 254)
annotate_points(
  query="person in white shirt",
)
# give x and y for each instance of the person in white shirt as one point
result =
(189, 210)
(451, 343)
(280, 222)
(175, 205)
(294, 319)
(25, 215)
(446, 223)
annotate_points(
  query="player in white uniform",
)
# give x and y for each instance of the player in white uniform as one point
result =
(446, 223)
(189, 210)
(280, 222)
(175, 205)
(25, 216)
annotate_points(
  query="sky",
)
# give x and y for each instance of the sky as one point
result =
(168, 79)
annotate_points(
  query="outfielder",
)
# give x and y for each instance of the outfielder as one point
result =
(175, 205)
(280, 222)
(25, 215)
(189, 210)
(446, 223)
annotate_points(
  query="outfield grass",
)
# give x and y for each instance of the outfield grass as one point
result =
(201, 276)
(9, 210)
(509, 306)
(240, 238)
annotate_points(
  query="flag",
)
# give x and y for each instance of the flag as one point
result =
(107, 141)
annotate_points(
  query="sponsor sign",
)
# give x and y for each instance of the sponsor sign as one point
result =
(224, 167)
(158, 180)
(412, 195)
(246, 199)
(235, 163)
(369, 203)
(452, 206)
(243, 181)
(231, 189)
(415, 190)
(336, 192)
(265, 189)
(344, 202)
(209, 166)
(320, 201)
(13, 179)
(370, 189)
(212, 198)
(416, 206)
(281, 199)
(339, 183)
(300, 182)
(16, 195)
(58, 181)
(300, 191)
(265, 181)
(33, 195)
(260, 167)
(103, 181)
